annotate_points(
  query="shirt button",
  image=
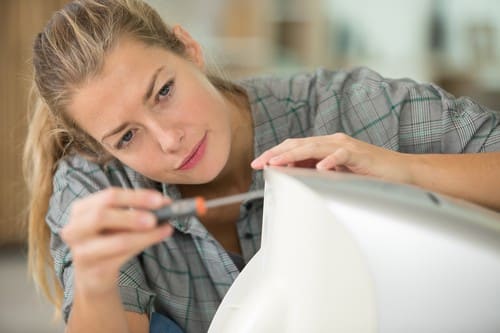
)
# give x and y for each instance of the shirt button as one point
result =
(248, 235)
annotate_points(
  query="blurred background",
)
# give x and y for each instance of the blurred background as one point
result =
(454, 43)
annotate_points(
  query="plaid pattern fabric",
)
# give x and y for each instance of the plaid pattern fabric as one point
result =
(186, 276)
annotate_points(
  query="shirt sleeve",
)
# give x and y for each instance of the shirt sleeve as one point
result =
(401, 114)
(76, 178)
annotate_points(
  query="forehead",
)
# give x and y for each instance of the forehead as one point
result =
(108, 97)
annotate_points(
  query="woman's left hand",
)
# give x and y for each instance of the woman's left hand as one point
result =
(338, 152)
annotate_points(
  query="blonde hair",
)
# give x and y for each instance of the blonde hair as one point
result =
(66, 54)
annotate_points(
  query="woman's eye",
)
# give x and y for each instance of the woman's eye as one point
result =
(165, 91)
(126, 139)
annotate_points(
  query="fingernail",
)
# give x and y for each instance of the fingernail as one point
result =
(147, 220)
(157, 199)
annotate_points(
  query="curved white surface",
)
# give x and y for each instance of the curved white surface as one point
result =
(343, 253)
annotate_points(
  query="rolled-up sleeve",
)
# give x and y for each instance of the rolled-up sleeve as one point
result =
(434, 121)
(401, 114)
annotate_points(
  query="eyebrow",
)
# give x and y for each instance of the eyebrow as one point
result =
(145, 98)
(149, 92)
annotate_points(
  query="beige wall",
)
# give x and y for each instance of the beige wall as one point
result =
(20, 20)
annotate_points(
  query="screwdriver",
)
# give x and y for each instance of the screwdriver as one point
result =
(198, 205)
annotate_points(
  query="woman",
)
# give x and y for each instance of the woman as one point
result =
(127, 117)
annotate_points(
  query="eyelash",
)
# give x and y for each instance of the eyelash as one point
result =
(122, 144)
(170, 86)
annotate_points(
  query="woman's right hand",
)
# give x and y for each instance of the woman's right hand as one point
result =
(106, 229)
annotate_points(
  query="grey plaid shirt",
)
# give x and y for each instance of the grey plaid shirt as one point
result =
(186, 276)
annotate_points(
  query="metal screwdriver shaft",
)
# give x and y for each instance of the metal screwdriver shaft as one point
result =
(198, 206)
(234, 198)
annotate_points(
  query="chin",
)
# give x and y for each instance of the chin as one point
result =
(208, 176)
(209, 173)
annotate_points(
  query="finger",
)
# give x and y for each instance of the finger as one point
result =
(334, 167)
(96, 221)
(338, 158)
(120, 219)
(261, 161)
(308, 151)
(120, 197)
(341, 160)
(121, 246)
(89, 219)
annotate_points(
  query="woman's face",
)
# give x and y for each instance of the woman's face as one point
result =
(157, 113)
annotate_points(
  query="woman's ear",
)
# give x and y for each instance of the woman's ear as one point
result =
(193, 48)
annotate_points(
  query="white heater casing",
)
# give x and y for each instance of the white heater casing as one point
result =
(346, 253)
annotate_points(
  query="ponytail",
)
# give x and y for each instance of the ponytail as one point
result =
(45, 145)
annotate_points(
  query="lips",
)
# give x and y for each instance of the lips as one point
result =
(195, 155)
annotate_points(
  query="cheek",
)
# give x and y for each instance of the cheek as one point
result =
(146, 150)
(197, 102)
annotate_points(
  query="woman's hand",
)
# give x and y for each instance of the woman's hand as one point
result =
(338, 152)
(108, 228)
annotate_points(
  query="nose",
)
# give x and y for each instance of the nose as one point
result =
(169, 139)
